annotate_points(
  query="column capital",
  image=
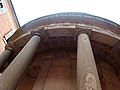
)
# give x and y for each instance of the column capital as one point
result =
(41, 33)
(79, 30)
(10, 46)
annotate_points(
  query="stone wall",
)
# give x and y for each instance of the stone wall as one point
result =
(57, 71)
(50, 71)
(110, 77)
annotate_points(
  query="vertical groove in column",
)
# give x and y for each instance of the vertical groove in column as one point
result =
(87, 75)
(12, 75)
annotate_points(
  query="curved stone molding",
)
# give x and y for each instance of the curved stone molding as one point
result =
(16, 44)
(55, 23)
(65, 26)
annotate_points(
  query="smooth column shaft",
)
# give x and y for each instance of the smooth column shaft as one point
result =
(4, 57)
(87, 75)
(11, 76)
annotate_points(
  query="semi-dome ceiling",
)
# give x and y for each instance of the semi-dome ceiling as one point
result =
(64, 24)
(60, 30)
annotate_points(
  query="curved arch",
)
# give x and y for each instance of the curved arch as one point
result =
(103, 30)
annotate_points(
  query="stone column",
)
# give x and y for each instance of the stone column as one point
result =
(11, 76)
(4, 57)
(87, 75)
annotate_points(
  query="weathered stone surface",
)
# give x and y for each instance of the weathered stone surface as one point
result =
(90, 82)
(86, 67)
(13, 73)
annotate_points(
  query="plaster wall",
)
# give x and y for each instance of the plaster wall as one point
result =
(7, 23)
